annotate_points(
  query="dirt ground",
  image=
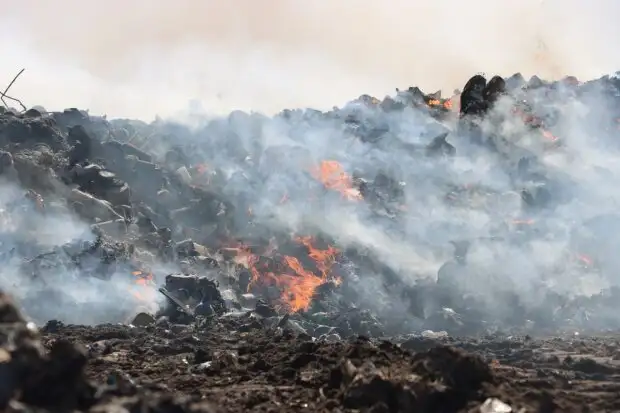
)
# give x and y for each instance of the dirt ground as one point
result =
(238, 365)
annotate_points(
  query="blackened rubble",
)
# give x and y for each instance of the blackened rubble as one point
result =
(221, 273)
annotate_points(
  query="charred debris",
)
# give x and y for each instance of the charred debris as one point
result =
(152, 202)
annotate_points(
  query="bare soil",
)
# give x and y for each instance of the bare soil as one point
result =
(236, 365)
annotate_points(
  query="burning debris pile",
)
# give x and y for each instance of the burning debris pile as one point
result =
(339, 219)
(483, 212)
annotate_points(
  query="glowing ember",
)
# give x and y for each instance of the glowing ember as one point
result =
(202, 168)
(534, 121)
(202, 175)
(523, 221)
(585, 259)
(549, 136)
(447, 104)
(296, 283)
(332, 176)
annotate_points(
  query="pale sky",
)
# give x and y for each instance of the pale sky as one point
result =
(138, 58)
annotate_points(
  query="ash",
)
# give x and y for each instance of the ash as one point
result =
(317, 260)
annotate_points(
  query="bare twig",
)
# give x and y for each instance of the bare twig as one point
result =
(3, 95)
(13, 81)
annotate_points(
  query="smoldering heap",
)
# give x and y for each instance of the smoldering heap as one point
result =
(268, 258)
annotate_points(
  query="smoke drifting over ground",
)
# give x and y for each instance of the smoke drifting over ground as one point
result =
(63, 288)
(140, 58)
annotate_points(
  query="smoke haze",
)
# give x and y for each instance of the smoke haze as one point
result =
(141, 58)
(144, 58)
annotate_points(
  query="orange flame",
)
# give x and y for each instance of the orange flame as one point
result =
(296, 283)
(332, 176)
(143, 290)
(447, 104)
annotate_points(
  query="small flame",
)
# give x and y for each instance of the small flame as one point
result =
(143, 289)
(332, 176)
(446, 104)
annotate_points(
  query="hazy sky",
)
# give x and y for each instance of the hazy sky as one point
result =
(143, 57)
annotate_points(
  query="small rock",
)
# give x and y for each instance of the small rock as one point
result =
(295, 327)
(493, 405)
(32, 113)
(204, 309)
(230, 298)
(434, 334)
(322, 330)
(332, 338)
(142, 320)
(248, 300)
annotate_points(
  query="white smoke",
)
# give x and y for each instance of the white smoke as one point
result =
(36, 252)
(139, 59)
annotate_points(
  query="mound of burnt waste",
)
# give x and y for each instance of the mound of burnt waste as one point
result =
(317, 260)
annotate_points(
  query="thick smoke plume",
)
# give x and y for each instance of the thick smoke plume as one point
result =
(140, 58)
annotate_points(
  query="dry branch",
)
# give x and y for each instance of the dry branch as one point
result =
(3, 95)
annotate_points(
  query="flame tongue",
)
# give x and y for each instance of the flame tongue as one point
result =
(296, 283)
(332, 176)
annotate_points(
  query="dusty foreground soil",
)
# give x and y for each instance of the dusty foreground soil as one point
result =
(238, 365)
